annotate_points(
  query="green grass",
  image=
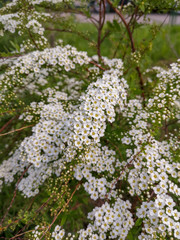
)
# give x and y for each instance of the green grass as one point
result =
(165, 47)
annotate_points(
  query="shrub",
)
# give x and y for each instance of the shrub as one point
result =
(91, 142)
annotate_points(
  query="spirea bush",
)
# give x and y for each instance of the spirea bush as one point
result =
(89, 143)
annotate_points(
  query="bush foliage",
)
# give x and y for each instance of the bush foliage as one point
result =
(89, 133)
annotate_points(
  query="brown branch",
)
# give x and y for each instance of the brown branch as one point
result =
(18, 220)
(97, 65)
(99, 32)
(125, 24)
(101, 21)
(75, 11)
(16, 130)
(117, 179)
(24, 233)
(9, 122)
(49, 227)
(31, 37)
(68, 31)
(14, 195)
(132, 47)
(132, 16)
(105, 35)
(122, 3)
(37, 211)
(14, 56)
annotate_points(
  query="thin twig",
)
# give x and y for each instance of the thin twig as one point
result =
(68, 31)
(35, 44)
(97, 65)
(16, 130)
(14, 195)
(37, 211)
(9, 122)
(117, 179)
(132, 47)
(49, 227)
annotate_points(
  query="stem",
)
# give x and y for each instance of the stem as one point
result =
(133, 49)
(97, 65)
(60, 211)
(117, 179)
(9, 122)
(16, 130)
(14, 195)
(68, 31)
(102, 9)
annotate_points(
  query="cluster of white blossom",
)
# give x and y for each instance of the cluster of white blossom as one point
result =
(163, 104)
(10, 22)
(58, 129)
(98, 105)
(53, 137)
(35, 108)
(155, 174)
(109, 222)
(22, 23)
(71, 86)
(10, 168)
(34, 2)
(6, 62)
(54, 140)
(32, 70)
(58, 233)
(50, 135)
(95, 161)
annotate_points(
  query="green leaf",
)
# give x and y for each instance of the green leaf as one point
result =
(142, 7)
(138, 222)
(109, 24)
(15, 45)
(130, 236)
(63, 220)
(116, 25)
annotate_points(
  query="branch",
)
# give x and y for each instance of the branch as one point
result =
(60, 211)
(14, 195)
(68, 31)
(102, 10)
(132, 46)
(117, 179)
(125, 24)
(97, 65)
(9, 122)
(16, 130)
(33, 39)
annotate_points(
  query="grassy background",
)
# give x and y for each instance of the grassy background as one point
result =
(165, 47)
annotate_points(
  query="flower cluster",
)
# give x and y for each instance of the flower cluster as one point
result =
(98, 106)
(10, 22)
(58, 233)
(109, 222)
(155, 173)
(165, 94)
(9, 168)
(32, 70)
(95, 161)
